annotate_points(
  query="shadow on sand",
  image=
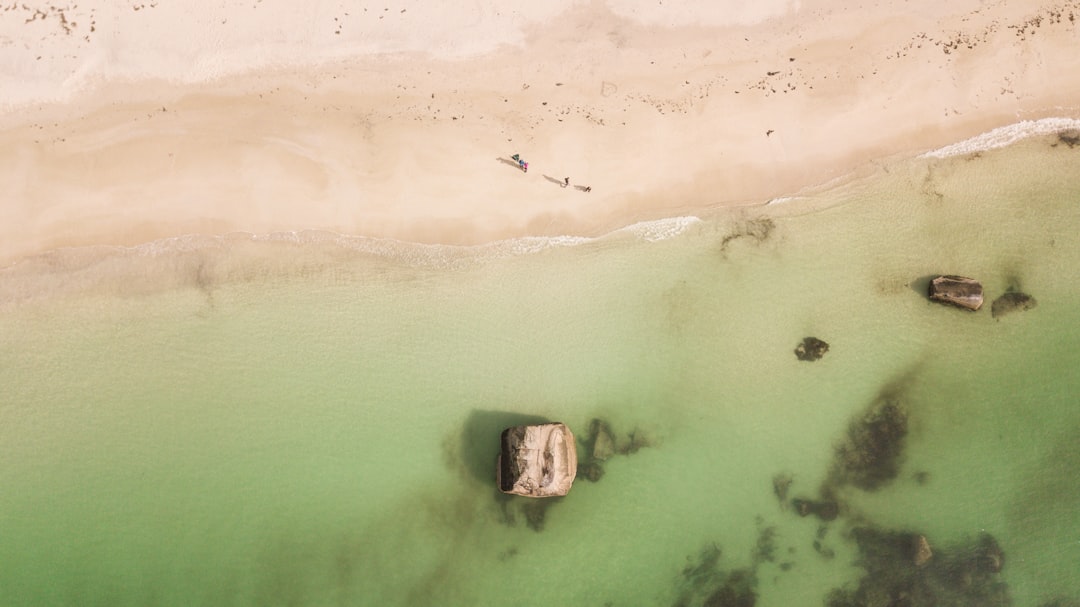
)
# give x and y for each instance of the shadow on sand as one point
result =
(480, 439)
(558, 182)
(509, 162)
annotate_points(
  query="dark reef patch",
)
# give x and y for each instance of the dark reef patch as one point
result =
(705, 583)
(515, 509)
(781, 483)
(825, 509)
(601, 443)
(736, 591)
(1012, 301)
(756, 230)
(1070, 137)
(765, 547)
(899, 572)
(869, 456)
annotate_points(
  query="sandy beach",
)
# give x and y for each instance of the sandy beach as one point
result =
(125, 124)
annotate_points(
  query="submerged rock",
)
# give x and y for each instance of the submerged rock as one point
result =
(737, 591)
(537, 461)
(635, 441)
(901, 570)
(780, 485)
(1012, 301)
(602, 444)
(959, 291)
(922, 551)
(811, 349)
(826, 510)
(591, 471)
(601, 441)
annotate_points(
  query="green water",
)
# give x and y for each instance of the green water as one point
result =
(238, 422)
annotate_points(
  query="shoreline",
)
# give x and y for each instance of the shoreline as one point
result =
(417, 153)
(201, 263)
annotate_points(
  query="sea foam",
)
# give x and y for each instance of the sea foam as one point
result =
(1004, 136)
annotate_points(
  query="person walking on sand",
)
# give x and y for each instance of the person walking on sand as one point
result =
(566, 182)
(524, 166)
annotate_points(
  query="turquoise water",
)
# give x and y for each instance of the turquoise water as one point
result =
(313, 421)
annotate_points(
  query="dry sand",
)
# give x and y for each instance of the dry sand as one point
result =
(125, 124)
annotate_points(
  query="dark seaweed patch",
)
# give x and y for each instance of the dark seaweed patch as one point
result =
(737, 591)
(965, 575)
(532, 511)
(535, 511)
(765, 547)
(869, 456)
(825, 509)
(1069, 137)
(601, 444)
(756, 230)
(704, 582)
(1012, 301)
(780, 485)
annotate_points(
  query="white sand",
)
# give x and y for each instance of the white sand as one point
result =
(189, 118)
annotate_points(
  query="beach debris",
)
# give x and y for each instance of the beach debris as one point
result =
(1012, 301)
(869, 456)
(900, 569)
(811, 349)
(958, 291)
(537, 461)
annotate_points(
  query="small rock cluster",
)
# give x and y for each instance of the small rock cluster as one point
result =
(967, 293)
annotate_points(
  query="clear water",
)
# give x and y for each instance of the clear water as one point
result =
(238, 422)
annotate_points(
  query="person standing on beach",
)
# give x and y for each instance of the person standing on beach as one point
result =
(566, 182)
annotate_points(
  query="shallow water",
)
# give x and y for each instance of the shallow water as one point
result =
(277, 422)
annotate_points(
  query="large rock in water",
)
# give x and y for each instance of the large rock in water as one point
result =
(963, 292)
(537, 461)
